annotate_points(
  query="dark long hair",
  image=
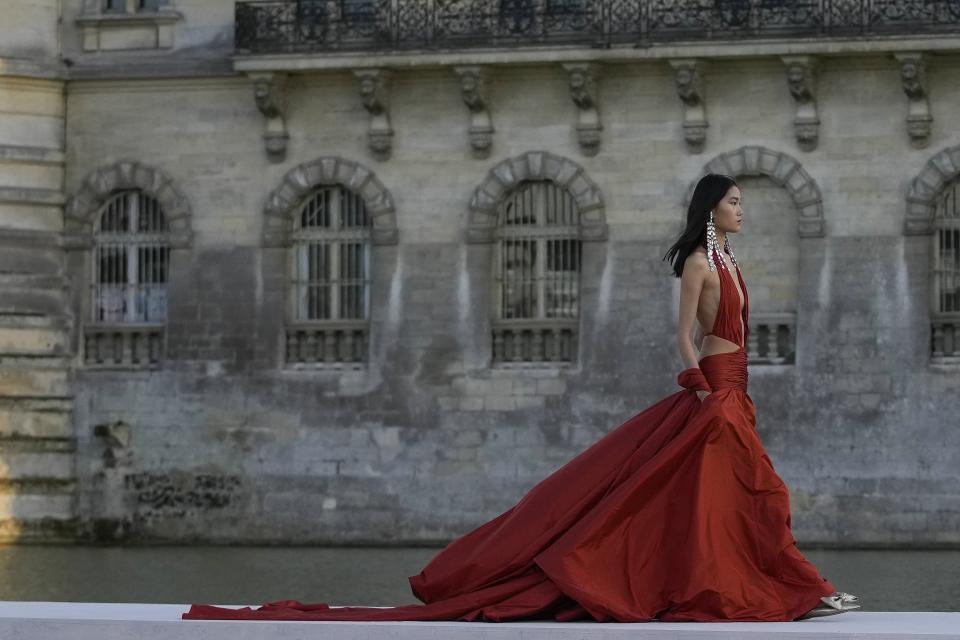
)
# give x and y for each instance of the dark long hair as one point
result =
(706, 195)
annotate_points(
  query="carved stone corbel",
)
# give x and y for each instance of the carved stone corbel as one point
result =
(801, 81)
(473, 88)
(374, 85)
(270, 95)
(582, 78)
(913, 75)
(689, 81)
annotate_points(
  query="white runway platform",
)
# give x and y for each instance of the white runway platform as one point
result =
(86, 621)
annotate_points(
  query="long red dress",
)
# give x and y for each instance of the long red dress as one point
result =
(675, 515)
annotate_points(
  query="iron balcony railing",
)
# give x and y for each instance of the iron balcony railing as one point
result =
(276, 26)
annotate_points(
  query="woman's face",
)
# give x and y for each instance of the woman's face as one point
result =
(728, 215)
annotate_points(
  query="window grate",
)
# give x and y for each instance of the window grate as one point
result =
(945, 317)
(128, 294)
(330, 279)
(131, 261)
(537, 275)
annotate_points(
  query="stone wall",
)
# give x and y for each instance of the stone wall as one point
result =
(222, 443)
(37, 482)
(429, 440)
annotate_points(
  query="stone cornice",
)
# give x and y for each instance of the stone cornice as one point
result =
(30, 155)
(36, 68)
(328, 60)
(157, 65)
(34, 238)
(130, 85)
(31, 196)
(124, 66)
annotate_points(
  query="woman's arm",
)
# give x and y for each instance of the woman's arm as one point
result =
(691, 284)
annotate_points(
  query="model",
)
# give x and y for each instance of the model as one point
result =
(675, 515)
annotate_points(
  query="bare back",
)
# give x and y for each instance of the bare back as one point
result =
(708, 306)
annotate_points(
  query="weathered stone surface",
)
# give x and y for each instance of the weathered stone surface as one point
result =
(37, 492)
(427, 440)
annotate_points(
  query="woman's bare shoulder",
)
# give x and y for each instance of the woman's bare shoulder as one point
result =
(696, 262)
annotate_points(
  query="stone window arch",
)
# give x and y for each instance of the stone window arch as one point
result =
(536, 165)
(327, 215)
(120, 227)
(932, 209)
(773, 318)
(536, 209)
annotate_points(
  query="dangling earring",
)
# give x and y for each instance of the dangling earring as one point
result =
(713, 248)
(726, 246)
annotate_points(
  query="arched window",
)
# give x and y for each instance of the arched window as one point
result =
(128, 289)
(771, 240)
(329, 293)
(536, 275)
(945, 314)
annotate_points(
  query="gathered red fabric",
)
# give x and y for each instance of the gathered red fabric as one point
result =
(675, 515)
(694, 379)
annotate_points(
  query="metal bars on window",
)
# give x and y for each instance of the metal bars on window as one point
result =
(131, 255)
(330, 279)
(128, 292)
(536, 275)
(945, 317)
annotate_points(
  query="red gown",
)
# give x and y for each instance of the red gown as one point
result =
(675, 515)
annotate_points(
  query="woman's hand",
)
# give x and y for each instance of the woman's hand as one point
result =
(702, 395)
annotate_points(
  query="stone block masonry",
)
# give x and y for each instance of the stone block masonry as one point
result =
(222, 442)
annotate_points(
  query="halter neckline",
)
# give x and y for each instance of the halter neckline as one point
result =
(731, 321)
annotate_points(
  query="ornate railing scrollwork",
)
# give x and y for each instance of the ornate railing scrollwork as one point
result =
(272, 26)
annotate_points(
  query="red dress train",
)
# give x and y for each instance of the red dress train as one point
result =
(675, 515)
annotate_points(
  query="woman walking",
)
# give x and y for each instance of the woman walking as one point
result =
(675, 515)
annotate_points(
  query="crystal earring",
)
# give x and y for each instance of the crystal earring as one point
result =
(726, 247)
(713, 247)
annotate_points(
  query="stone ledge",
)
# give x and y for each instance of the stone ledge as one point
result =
(45, 405)
(30, 238)
(125, 67)
(163, 16)
(30, 444)
(20, 195)
(327, 60)
(30, 155)
(107, 621)
(32, 321)
(43, 530)
(32, 281)
(37, 486)
(37, 68)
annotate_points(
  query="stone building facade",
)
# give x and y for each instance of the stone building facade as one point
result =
(365, 270)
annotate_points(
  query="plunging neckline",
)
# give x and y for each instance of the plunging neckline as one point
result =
(738, 287)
